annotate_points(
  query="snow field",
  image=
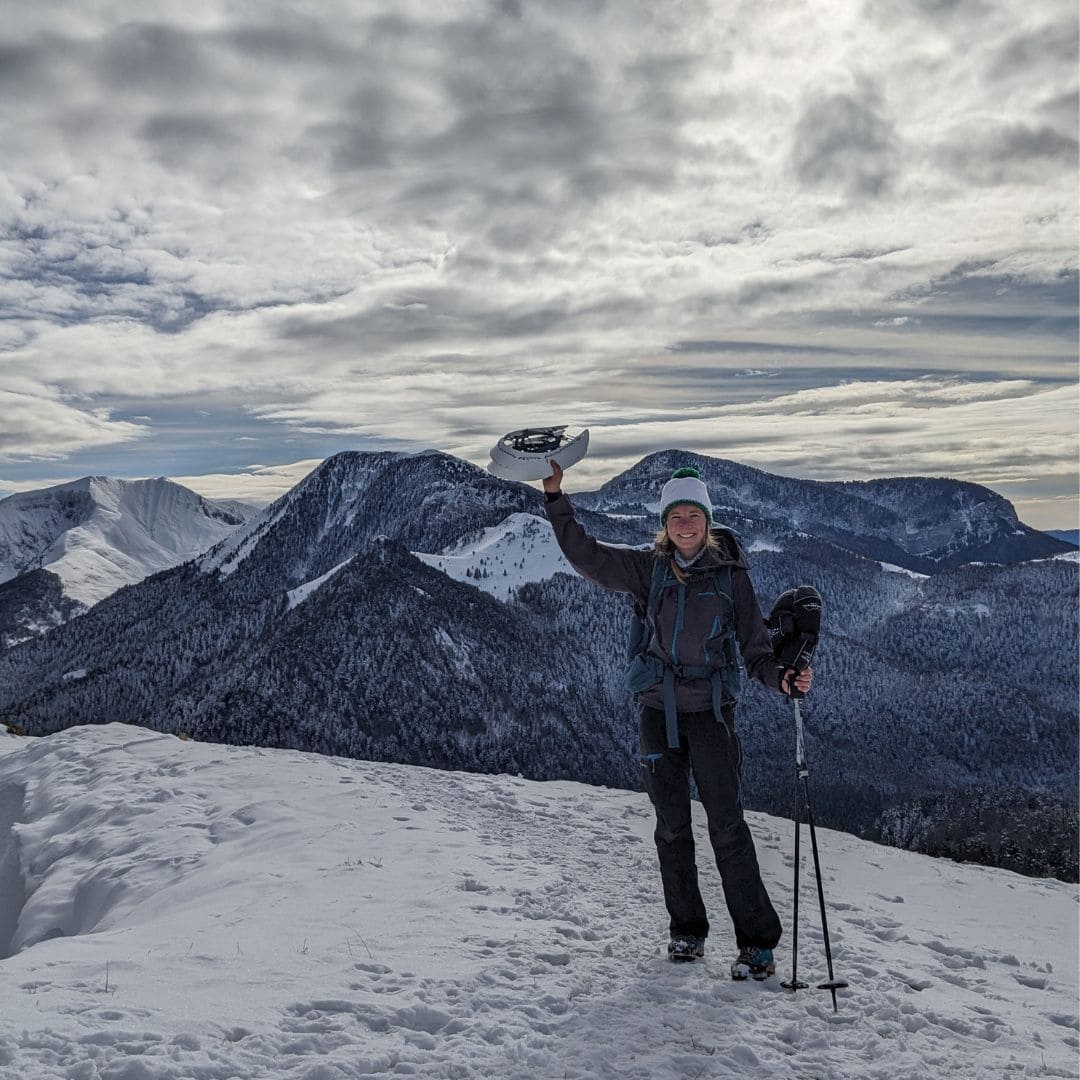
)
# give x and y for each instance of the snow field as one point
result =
(186, 910)
(506, 556)
(518, 550)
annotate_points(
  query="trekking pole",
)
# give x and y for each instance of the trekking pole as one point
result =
(803, 774)
(794, 983)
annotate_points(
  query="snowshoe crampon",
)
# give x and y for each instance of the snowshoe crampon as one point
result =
(524, 454)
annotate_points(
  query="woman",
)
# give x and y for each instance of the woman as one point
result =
(695, 590)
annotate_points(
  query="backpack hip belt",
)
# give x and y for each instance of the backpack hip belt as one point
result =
(671, 712)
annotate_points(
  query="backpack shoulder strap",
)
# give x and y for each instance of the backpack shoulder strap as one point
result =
(641, 628)
(724, 586)
(659, 578)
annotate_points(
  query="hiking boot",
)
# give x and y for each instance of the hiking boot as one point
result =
(753, 963)
(684, 947)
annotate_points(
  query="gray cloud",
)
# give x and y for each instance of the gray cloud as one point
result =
(434, 315)
(958, 19)
(153, 58)
(1053, 43)
(527, 124)
(1000, 153)
(43, 428)
(291, 39)
(20, 67)
(769, 291)
(1063, 110)
(845, 141)
(419, 222)
(178, 137)
(761, 347)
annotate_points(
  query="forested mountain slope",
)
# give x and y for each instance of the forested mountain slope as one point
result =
(316, 627)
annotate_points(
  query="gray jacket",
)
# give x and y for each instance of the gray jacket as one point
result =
(630, 570)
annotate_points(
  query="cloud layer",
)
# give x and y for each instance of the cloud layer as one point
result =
(413, 226)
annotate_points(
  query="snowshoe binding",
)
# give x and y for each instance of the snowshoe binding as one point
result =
(525, 454)
(753, 963)
(682, 948)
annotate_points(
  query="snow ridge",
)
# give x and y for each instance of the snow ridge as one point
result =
(197, 911)
(302, 592)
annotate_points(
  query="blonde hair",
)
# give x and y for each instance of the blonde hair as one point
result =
(663, 548)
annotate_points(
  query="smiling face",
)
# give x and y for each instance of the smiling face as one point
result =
(686, 528)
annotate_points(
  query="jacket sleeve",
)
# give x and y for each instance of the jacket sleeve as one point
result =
(619, 569)
(753, 638)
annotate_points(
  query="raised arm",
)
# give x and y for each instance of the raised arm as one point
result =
(619, 569)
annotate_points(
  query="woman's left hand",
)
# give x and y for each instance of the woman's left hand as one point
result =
(802, 681)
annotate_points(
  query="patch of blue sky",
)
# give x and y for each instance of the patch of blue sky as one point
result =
(189, 440)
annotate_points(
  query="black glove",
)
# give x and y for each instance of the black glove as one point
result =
(794, 626)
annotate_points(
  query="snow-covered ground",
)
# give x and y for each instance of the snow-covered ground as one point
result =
(173, 910)
(518, 550)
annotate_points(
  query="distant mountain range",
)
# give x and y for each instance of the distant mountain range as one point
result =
(65, 548)
(1070, 536)
(414, 608)
(922, 524)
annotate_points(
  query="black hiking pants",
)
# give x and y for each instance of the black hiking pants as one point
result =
(712, 751)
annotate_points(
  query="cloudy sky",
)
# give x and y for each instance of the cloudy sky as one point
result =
(832, 240)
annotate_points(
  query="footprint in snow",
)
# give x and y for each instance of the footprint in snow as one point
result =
(1064, 1020)
(908, 980)
(381, 979)
(373, 969)
(954, 956)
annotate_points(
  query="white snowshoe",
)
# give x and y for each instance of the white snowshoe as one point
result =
(524, 454)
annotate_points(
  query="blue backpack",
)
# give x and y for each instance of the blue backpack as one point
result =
(645, 670)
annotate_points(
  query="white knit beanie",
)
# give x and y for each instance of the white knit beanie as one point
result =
(685, 486)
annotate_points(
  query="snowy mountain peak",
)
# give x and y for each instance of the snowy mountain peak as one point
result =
(425, 501)
(327, 497)
(99, 533)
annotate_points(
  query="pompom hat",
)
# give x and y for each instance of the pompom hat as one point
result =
(685, 486)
